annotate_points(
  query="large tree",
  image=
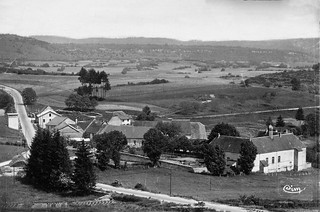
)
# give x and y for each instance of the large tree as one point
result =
(146, 114)
(182, 143)
(223, 129)
(49, 166)
(311, 124)
(83, 177)
(280, 122)
(109, 146)
(169, 129)
(78, 102)
(248, 152)
(154, 145)
(29, 96)
(214, 158)
(269, 122)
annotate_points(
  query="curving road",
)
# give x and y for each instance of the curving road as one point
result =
(167, 198)
(26, 125)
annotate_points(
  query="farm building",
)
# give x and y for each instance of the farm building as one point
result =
(46, 115)
(133, 134)
(276, 153)
(120, 118)
(57, 121)
(13, 121)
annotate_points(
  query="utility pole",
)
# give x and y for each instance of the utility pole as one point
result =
(170, 181)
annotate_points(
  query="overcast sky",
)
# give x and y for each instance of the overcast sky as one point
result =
(179, 19)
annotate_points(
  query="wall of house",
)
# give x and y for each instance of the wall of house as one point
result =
(286, 161)
(133, 142)
(43, 120)
(13, 121)
(302, 163)
(126, 122)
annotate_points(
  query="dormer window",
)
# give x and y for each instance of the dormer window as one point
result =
(49, 114)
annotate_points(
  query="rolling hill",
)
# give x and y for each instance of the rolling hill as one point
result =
(61, 48)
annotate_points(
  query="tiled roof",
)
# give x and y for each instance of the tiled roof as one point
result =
(278, 143)
(151, 124)
(184, 125)
(94, 126)
(229, 143)
(130, 132)
(56, 121)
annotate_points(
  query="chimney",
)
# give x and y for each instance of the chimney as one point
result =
(270, 131)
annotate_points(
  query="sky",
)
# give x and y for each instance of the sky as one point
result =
(178, 19)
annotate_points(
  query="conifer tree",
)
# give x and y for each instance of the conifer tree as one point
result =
(299, 114)
(83, 177)
(49, 166)
(214, 158)
(248, 154)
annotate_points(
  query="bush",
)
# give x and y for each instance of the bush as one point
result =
(116, 183)
(141, 187)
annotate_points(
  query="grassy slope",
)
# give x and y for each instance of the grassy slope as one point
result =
(6, 133)
(7, 152)
(198, 186)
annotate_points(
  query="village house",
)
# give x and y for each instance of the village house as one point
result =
(46, 115)
(120, 118)
(57, 121)
(275, 153)
(69, 131)
(134, 134)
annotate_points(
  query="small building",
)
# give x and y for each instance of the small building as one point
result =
(2, 112)
(91, 128)
(45, 116)
(13, 121)
(120, 118)
(133, 134)
(70, 131)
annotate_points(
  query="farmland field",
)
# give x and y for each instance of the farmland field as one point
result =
(198, 186)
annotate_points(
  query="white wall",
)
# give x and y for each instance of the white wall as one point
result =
(43, 120)
(13, 121)
(286, 161)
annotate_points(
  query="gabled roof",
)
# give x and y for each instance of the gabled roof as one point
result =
(151, 124)
(229, 143)
(122, 115)
(46, 110)
(131, 132)
(65, 125)
(185, 126)
(279, 142)
(94, 126)
(56, 121)
(198, 130)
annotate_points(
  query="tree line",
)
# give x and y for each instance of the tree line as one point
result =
(94, 86)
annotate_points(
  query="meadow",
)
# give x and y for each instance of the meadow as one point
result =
(212, 188)
(7, 152)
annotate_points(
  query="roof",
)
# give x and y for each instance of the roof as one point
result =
(185, 126)
(94, 126)
(122, 115)
(71, 126)
(279, 142)
(46, 110)
(56, 121)
(229, 143)
(131, 132)
(198, 130)
(151, 124)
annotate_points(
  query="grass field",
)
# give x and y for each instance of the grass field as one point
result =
(198, 186)
(7, 152)
(7, 134)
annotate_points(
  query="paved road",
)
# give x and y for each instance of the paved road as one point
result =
(251, 112)
(166, 198)
(26, 125)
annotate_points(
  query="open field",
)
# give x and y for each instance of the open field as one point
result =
(7, 134)
(7, 152)
(198, 186)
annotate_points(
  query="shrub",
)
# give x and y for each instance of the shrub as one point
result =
(141, 187)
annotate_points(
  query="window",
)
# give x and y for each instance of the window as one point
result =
(267, 159)
(279, 159)
(49, 114)
(44, 120)
(272, 159)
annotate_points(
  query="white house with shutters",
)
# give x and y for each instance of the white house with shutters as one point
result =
(275, 152)
(45, 116)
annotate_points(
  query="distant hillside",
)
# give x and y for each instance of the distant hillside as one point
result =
(18, 47)
(130, 40)
(306, 45)
(60, 48)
